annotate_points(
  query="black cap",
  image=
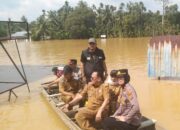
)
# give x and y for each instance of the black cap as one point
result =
(72, 61)
(113, 73)
(54, 69)
(123, 73)
(67, 69)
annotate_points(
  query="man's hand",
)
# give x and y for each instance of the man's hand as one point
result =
(65, 108)
(121, 118)
(98, 117)
(43, 83)
(73, 95)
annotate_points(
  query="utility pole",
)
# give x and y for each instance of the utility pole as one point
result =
(164, 5)
(44, 20)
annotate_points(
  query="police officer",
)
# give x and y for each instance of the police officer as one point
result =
(127, 116)
(97, 105)
(93, 59)
(68, 86)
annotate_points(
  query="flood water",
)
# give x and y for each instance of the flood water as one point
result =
(158, 99)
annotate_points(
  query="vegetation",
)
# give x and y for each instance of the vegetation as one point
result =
(12, 27)
(127, 20)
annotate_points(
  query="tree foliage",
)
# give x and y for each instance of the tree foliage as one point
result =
(80, 22)
(126, 20)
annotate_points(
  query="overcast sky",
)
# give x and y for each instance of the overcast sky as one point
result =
(15, 9)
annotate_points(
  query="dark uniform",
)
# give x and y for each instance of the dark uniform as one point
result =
(93, 61)
(96, 95)
(73, 86)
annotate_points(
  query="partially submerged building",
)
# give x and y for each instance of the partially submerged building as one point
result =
(164, 57)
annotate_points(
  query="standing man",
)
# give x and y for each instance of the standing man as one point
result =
(93, 59)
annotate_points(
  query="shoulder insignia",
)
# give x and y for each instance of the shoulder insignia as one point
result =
(130, 94)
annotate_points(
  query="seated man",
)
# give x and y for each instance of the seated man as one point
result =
(97, 104)
(76, 70)
(114, 90)
(57, 71)
(68, 86)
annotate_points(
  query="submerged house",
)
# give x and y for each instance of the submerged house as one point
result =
(21, 35)
(164, 57)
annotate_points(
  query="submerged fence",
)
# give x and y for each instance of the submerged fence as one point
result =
(164, 56)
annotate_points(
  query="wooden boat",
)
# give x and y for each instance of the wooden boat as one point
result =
(53, 98)
(55, 102)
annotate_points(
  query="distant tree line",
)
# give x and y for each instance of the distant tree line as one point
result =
(128, 20)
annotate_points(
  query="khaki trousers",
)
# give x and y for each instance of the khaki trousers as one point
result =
(66, 98)
(86, 118)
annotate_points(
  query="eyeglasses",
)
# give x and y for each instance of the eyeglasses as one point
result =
(92, 43)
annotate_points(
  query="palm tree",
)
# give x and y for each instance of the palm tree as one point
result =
(39, 28)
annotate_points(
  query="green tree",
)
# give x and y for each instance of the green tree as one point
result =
(80, 22)
(120, 20)
(173, 19)
(39, 28)
(3, 29)
(133, 19)
(24, 19)
(164, 5)
(105, 20)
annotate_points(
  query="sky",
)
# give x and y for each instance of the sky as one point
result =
(31, 9)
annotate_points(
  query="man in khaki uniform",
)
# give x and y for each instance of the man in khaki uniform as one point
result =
(68, 86)
(114, 90)
(97, 105)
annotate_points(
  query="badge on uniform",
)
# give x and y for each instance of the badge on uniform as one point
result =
(130, 95)
(88, 58)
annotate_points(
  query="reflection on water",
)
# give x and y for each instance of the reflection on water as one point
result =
(164, 57)
(158, 99)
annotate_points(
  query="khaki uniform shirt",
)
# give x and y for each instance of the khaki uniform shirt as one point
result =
(74, 86)
(114, 92)
(96, 95)
(129, 106)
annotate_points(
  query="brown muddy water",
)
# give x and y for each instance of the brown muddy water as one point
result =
(158, 99)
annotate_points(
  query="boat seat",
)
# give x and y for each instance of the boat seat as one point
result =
(147, 124)
(60, 104)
